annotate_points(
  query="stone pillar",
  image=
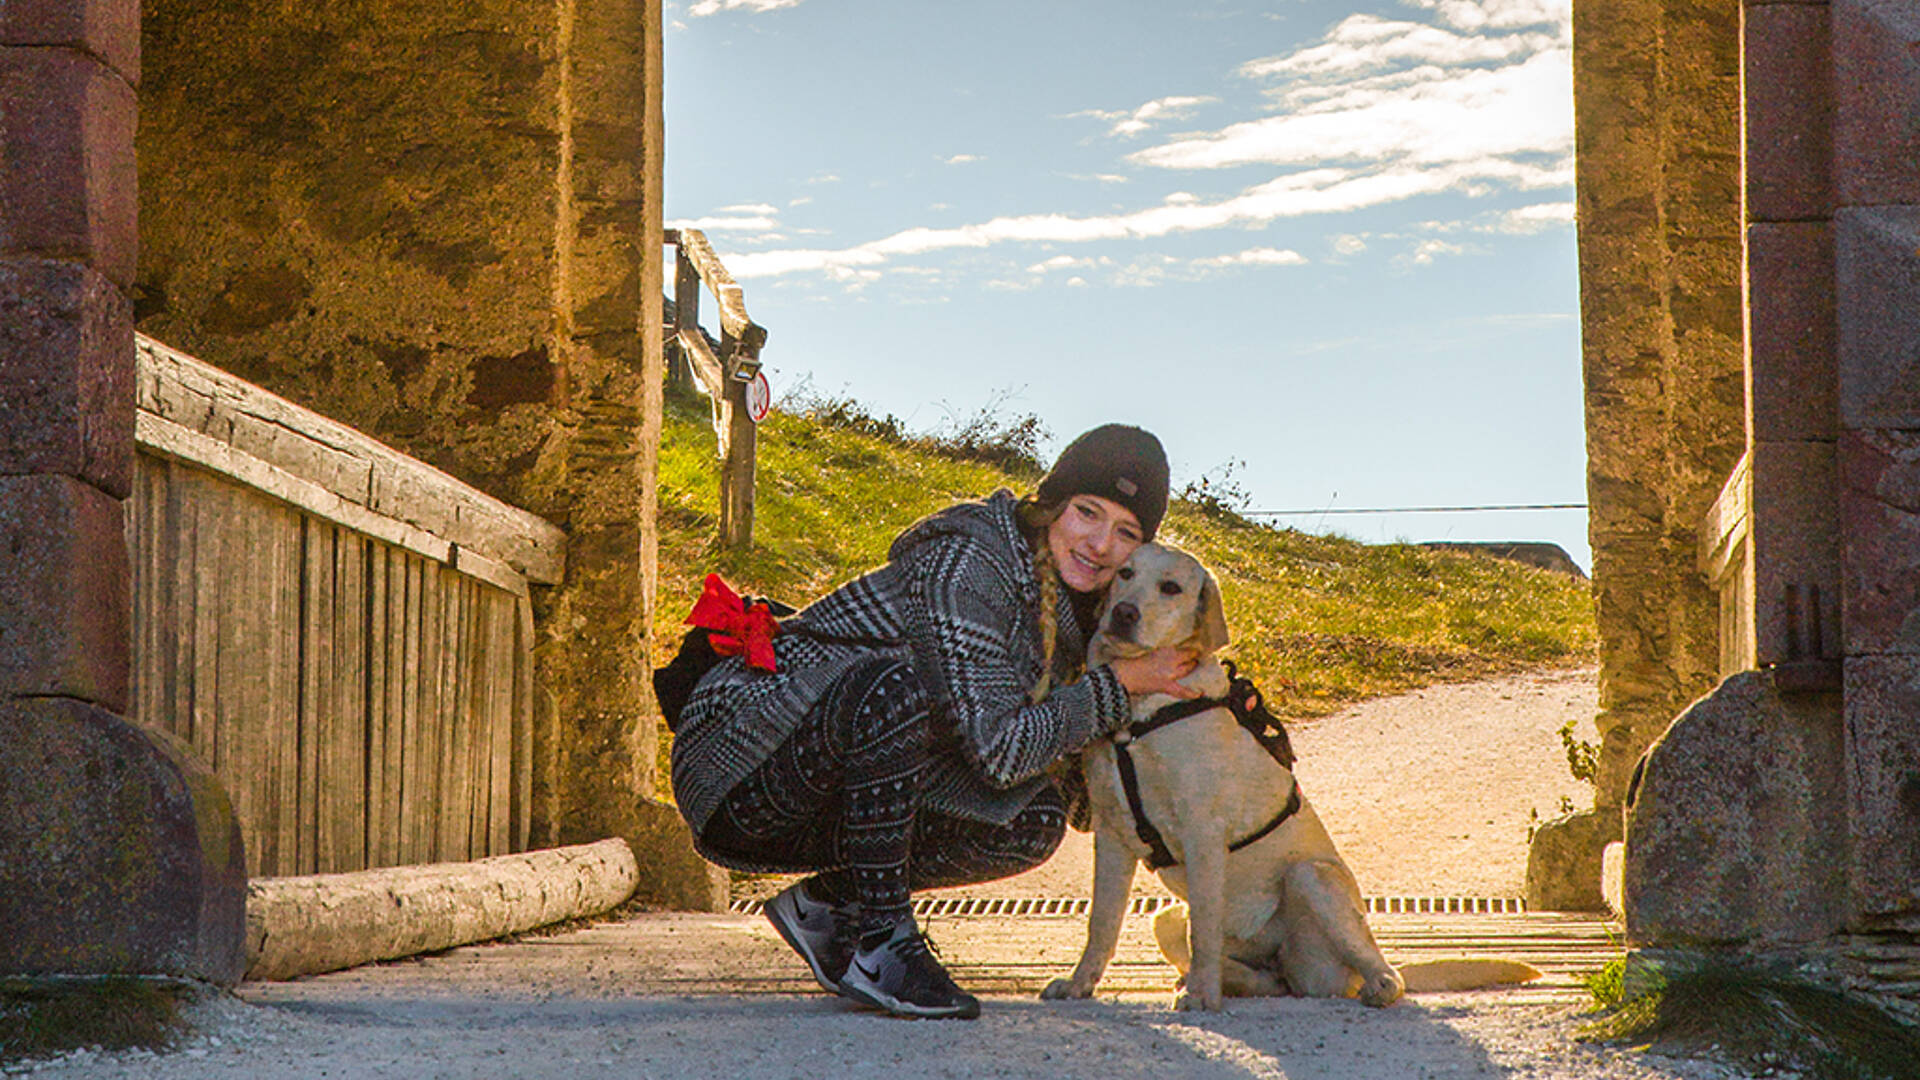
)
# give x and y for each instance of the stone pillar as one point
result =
(441, 224)
(1656, 102)
(1876, 170)
(1792, 424)
(117, 854)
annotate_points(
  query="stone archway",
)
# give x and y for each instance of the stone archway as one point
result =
(559, 411)
(1749, 228)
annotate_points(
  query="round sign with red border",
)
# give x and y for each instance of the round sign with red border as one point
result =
(759, 397)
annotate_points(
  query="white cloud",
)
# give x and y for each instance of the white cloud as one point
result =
(703, 8)
(1313, 191)
(1476, 102)
(1540, 217)
(1367, 43)
(716, 223)
(1443, 116)
(1262, 256)
(1497, 14)
(1137, 121)
(749, 208)
(1064, 262)
(1426, 251)
(962, 159)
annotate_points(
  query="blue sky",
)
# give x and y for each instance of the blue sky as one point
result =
(1324, 249)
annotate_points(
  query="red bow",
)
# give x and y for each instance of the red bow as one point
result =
(736, 627)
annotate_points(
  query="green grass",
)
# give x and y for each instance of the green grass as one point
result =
(1319, 622)
(42, 1018)
(1765, 1015)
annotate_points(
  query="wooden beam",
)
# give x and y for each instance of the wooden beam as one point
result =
(733, 304)
(1723, 529)
(199, 414)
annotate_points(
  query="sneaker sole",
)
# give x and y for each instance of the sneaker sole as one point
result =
(885, 1002)
(776, 914)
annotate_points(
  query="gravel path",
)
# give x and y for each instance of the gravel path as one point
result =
(1429, 793)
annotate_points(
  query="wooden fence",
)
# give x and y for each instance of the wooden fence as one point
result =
(723, 373)
(341, 633)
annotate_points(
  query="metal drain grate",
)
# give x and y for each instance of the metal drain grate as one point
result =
(1062, 907)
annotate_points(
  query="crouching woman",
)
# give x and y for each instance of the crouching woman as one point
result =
(903, 740)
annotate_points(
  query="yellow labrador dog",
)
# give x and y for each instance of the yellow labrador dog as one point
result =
(1271, 908)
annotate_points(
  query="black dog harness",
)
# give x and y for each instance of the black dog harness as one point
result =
(1243, 700)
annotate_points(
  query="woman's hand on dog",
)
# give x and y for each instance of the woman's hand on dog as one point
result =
(1158, 672)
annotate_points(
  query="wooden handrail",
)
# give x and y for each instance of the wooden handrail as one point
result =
(734, 323)
(723, 373)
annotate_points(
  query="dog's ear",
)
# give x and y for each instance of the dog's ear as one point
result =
(1210, 632)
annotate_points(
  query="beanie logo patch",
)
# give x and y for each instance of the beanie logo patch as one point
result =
(1126, 486)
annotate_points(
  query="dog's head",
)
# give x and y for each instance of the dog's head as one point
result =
(1162, 596)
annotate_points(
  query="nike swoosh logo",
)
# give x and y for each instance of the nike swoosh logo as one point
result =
(866, 971)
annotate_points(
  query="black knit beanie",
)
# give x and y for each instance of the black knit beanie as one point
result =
(1117, 462)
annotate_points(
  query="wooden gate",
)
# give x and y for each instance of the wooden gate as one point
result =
(341, 633)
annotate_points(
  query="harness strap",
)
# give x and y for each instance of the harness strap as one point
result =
(1243, 700)
(1160, 857)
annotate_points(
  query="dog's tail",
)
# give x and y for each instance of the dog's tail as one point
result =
(1463, 974)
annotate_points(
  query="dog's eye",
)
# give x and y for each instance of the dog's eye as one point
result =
(1126, 573)
(1170, 588)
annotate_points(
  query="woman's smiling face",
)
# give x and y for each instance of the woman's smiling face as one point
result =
(1090, 539)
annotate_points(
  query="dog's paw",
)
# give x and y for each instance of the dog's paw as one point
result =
(1065, 989)
(1382, 989)
(1188, 1000)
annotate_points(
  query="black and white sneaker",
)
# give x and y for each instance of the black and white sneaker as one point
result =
(824, 935)
(899, 974)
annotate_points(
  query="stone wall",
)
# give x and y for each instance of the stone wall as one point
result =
(1739, 835)
(106, 823)
(439, 224)
(1876, 171)
(1657, 106)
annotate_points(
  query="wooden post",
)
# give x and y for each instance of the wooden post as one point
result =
(736, 472)
(721, 374)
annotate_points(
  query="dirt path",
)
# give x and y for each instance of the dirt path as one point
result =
(1427, 793)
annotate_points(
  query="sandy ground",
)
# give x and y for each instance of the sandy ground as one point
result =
(1428, 794)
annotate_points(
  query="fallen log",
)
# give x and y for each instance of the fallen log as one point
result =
(325, 922)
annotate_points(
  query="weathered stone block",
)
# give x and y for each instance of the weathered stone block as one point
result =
(69, 188)
(1877, 278)
(108, 29)
(1790, 342)
(1883, 783)
(1789, 112)
(1796, 552)
(118, 853)
(1733, 831)
(1564, 861)
(1880, 515)
(672, 874)
(1876, 80)
(64, 586)
(66, 374)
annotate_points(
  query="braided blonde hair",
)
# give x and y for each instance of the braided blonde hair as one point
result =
(1036, 516)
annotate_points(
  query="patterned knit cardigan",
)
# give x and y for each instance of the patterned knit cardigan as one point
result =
(960, 595)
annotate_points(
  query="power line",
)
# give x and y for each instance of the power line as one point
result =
(1412, 509)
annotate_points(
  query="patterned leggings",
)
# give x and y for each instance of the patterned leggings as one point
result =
(841, 797)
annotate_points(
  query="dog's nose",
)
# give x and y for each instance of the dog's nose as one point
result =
(1123, 617)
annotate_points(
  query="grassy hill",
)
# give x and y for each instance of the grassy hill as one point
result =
(1318, 621)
